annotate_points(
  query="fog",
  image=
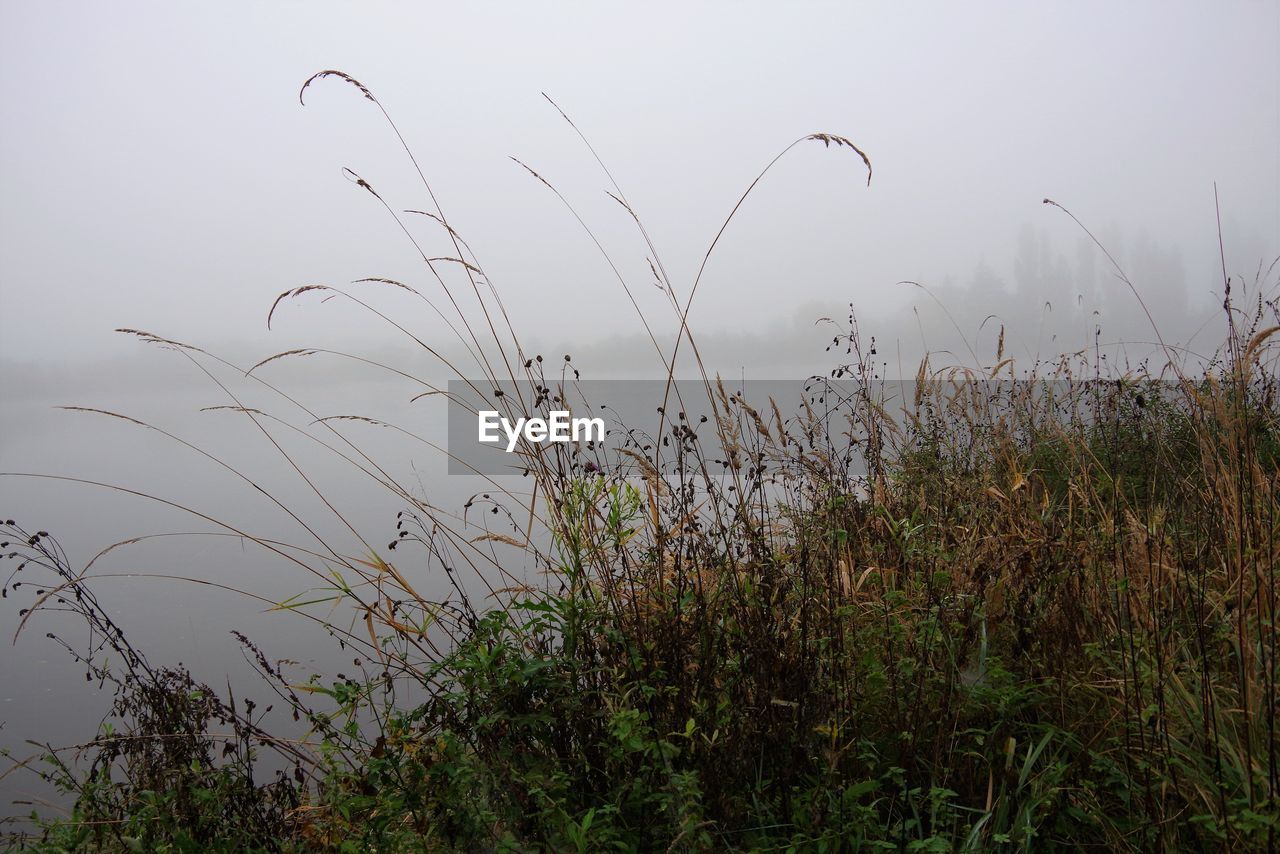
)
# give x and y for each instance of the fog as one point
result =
(161, 174)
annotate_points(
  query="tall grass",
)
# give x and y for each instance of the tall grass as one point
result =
(1034, 608)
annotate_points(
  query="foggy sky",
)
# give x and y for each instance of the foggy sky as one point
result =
(160, 173)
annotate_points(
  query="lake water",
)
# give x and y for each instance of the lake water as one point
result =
(43, 692)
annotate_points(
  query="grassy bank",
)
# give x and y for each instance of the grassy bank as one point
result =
(1044, 619)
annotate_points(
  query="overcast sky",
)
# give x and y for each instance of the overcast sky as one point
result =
(160, 173)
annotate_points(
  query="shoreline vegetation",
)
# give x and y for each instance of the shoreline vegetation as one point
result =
(1040, 616)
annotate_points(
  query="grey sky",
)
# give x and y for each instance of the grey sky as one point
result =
(160, 173)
